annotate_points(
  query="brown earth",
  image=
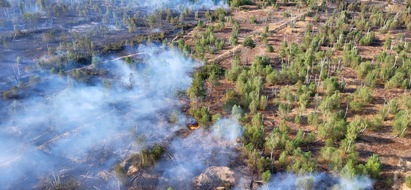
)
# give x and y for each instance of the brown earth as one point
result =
(391, 149)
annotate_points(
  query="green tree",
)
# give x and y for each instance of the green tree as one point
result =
(248, 42)
(401, 122)
(266, 176)
(373, 167)
(197, 88)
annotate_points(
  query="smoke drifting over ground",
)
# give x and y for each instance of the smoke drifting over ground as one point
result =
(202, 149)
(70, 125)
(287, 181)
(181, 4)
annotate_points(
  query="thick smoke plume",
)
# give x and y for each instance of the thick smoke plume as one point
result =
(77, 128)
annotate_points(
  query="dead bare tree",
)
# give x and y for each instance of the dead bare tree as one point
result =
(16, 70)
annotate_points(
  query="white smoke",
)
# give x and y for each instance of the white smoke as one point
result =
(287, 181)
(201, 149)
(182, 4)
(68, 122)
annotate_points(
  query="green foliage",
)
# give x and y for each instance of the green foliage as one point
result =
(302, 162)
(408, 181)
(201, 115)
(395, 81)
(387, 44)
(349, 169)
(331, 85)
(229, 100)
(333, 127)
(357, 126)
(254, 136)
(367, 39)
(253, 20)
(257, 119)
(197, 88)
(215, 117)
(372, 167)
(270, 49)
(234, 34)
(235, 69)
(261, 66)
(283, 158)
(361, 97)
(363, 69)
(266, 176)
(332, 157)
(236, 111)
(248, 42)
(263, 103)
(210, 69)
(237, 3)
(208, 42)
(145, 158)
(401, 122)
(273, 78)
(351, 56)
(375, 123)
(331, 103)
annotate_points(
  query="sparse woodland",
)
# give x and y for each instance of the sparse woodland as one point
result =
(314, 99)
(318, 85)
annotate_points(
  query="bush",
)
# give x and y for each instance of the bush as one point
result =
(270, 49)
(237, 3)
(254, 136)
(387, 44)
(331, 85)
(197, 88)
(313, 118)
(253, 20)
(373, 166)
(201, 115)
(367, 39)
(401, 122)
(248, 42)
(266, 176)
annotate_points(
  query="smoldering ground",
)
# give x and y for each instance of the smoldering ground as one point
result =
(203, 148)
(70, 127)
(323, 181)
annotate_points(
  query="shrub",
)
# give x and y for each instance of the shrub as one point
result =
(197, 88)
(253, 20)
(401, 122)
(373, 166)
(237, 3)
(387, 44)
(367, 39)
(313, 118)
(270, 48)
(248, 42)
(331, 85)
(201, 115)
(254, 136)
(266, 176)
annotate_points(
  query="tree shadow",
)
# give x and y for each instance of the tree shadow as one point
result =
(374, 140)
